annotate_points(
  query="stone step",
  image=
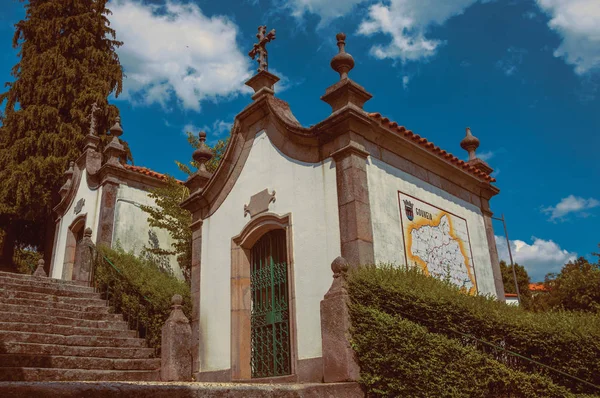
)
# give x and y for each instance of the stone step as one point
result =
(28, 277)
(76, 351)
(92, 316)
(9, 337)
(45, 282)
(7, 293)
(40, 374)
(58, 290)
(65, 330)
(179, 390)
(65, 362)
(57, 320)
(98, 307)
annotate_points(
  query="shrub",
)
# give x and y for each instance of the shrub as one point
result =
(399, 358)
(139, 290)
(565, 341)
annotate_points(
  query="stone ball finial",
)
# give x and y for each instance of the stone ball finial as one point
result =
(176, 300)
(339, 266)
(41, 262)
(342, 62)
(87, 233)
(470, 143)
(203, 154)
(116, 130)
(40, 269)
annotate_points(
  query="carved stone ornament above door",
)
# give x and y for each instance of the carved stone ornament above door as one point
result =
(259, 203)
(79, 205)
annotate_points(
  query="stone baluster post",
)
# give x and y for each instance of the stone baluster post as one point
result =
(176, 353)
(82, 270)
(339, 361)
(40, 269)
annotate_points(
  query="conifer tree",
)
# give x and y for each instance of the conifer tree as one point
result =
(67, 63)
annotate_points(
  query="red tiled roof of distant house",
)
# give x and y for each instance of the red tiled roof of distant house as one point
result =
(431, 147)
(148, 172)
(537, 287)
(510, 295)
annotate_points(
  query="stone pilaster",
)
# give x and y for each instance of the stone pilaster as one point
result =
(108, 203)
(176, 358)
(339, 360)
(356, 230)
(491, 240)
(196, 341)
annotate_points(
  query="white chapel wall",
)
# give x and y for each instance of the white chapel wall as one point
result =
(131, 227)
(307, 191)
(388, 242)
(90, 209)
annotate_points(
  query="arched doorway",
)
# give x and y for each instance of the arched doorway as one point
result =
(74, 236)
(270, 315)
(263, 326)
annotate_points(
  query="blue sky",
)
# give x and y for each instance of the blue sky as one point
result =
(524, 75)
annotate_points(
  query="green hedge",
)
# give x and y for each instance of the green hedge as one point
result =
(399, 358)
(566, 341)
(139, 290)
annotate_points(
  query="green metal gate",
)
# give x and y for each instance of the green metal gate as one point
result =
(270, 320)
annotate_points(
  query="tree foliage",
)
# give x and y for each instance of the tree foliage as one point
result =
(67, 63)
(523, 282)
(575, 288)
(168, 213)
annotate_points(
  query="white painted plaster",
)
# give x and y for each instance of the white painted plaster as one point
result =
(307, 191)
(90, 210)
(384, 183)
(131, 227)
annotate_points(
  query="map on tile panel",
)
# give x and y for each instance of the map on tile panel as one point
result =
(437, 241)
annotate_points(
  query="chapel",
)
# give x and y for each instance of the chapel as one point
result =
(286, 201)
(104, 198)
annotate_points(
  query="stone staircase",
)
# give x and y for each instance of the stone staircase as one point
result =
(55, 330)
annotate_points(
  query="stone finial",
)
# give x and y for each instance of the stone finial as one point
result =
(93, 118)
(470, 144)
(40, 269)
(203, 153)
(342, 62)
(176, 344)
(67, 185)
(115, 151)
(87, 233)
(116, 130)
(340, 267)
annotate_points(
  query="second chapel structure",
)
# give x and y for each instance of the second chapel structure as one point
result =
(287, 200)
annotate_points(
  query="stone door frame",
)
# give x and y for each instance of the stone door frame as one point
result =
(77, 225)
(241, 247)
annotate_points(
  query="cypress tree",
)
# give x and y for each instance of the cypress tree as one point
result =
(67, 63)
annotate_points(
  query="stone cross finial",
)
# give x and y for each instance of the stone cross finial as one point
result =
(470, 144)
(260, 48)
(342, 62)
(93, 118)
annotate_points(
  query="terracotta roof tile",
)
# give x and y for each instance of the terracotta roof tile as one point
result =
(537, 287)
(147, 171)
(430, 146)
(510, 295)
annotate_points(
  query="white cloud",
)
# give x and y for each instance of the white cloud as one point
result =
(405, 81)
(407, 22)
(539, 258)
(578, 23)
(326, 9)
(191, 128)
(485, 156)
(571, 204)
(218, 128)
(175, 51)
